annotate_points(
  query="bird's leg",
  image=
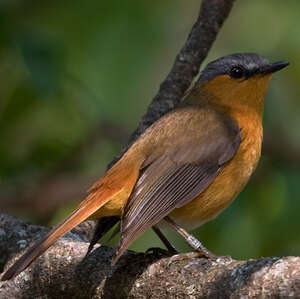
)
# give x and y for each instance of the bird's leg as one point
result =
(192, 241)
(170, 247)
(103, 225)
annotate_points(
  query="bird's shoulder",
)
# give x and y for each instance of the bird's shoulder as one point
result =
(189, 133)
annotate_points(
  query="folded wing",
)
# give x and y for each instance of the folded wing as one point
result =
(174, 179)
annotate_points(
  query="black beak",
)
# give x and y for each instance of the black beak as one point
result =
(274, 67)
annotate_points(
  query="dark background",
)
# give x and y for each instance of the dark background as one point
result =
(76, 76)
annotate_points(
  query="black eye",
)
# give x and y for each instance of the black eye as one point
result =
(237, 72)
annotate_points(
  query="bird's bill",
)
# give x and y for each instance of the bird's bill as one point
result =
(274, 67)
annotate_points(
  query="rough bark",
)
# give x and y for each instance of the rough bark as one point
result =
(64, 273)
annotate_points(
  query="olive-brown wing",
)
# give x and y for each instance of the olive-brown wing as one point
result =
(173, 180)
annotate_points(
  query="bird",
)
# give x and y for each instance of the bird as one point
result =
(186, 167)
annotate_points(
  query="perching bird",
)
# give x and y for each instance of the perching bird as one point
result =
(187, 166)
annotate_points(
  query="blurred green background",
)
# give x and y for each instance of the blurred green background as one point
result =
(76, 76)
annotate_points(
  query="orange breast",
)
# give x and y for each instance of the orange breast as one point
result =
(230, 181)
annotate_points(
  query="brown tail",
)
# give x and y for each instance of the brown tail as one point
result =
(116, 185)
(86, 209)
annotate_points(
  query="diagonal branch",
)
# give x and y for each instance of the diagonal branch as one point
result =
(186, 66)
(187, 63)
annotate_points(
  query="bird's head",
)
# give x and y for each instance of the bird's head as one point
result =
(239, 79)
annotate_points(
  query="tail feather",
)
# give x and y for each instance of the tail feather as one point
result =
(115, 186)
(86, 209)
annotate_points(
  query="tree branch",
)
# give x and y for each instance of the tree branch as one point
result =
(64, 273)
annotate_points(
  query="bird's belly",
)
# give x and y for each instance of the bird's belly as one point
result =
(222, 191)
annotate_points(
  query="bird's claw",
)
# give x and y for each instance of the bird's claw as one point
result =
(192, 255)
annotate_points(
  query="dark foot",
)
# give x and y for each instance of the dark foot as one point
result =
(160, 252)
